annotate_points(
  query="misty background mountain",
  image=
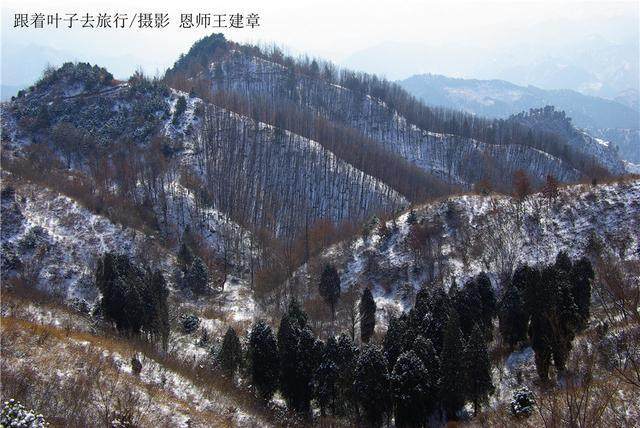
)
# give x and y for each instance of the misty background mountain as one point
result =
(593, 66)
(606, 119)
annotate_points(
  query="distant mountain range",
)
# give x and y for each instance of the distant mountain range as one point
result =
(498, 98)
(595, 66)
(23, 64)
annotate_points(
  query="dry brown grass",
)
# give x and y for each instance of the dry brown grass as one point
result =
(72, 378)
(34, 350)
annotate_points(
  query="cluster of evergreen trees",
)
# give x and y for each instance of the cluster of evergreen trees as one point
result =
(449, 334)
(194, 274)
(434, 359)
(547, 306)
(134, 297)
(302, 367)
(329, 289)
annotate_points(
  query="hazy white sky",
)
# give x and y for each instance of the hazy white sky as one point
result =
(331, 28)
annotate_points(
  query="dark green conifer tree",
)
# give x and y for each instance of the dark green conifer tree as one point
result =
(454, 381)
(263, 353)
(371, 386)
(296, 348)
(367, 309)
(478, 369)
(410, 388)
(330, 287)
(230, 355)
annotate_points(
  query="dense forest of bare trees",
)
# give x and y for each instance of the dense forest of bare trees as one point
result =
(270, 178)
(380, 110)
(152, 167)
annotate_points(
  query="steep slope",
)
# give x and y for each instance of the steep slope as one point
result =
(259, 176)
(79, 378)
(626, 140)
(499, 98)
(454, 158)
(457, 238)
(549, 120)
(273, 178)
(53, 243)
(602, 118)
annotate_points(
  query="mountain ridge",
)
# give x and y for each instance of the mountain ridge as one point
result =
(501, 99)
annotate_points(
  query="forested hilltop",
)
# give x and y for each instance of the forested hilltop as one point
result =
(441, 141)
(258, 240)
(613, 120)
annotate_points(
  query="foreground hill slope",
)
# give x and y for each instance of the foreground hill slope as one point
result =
(454, 239)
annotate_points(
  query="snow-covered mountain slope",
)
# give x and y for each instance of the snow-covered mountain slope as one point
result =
(51, 243)
(457, 238)
(54, 243)
(457, 159)
(255, 174)
(549, 120)
(626, 140)
(59, 242)
(89, 371)
(499, 98)
(606, 119)
(259, 172)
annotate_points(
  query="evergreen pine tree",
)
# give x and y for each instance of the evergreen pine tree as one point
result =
(326, 376)
(347, 357)
(452, 358)
(563, 263)
(230, 354)
(295, 344)
(539, 334)
(513, 318)
(156, 298)
(330, 287)
(429, 315)
(410, 388)
(488, 303)
(539, 288)
(181, 106)
(555, 315)
(412, 218)
(526, 279)
(371, 385)
(479, 384)
(185, 255)
(367, 315)
(425, 350)
(468, 305)
(133, 297)
(565, 321)
(197, 276)
(581, 278)
(263, 353)
(189, 323)
(395, 340)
